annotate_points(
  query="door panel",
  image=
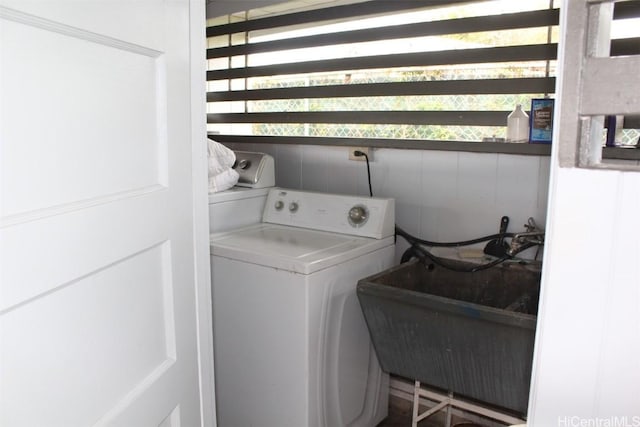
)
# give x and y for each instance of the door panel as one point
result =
(73, 84)
(43, 254)
(84, 345)
(97, 286)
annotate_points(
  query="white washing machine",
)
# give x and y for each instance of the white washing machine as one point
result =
(243, 204)
(291, 345)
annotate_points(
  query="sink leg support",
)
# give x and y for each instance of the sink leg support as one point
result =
(448, 402)
(416, 406)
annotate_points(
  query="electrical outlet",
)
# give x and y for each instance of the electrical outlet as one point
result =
(365, 150)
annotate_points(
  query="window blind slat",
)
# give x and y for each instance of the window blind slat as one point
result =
(452, 118)
(344, 12)
(626, 9)
(539, 52)
(538, 18)
(630, 46)
(445, 87)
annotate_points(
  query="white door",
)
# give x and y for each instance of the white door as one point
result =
(97, 280)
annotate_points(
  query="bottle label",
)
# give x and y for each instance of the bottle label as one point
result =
(541, 120)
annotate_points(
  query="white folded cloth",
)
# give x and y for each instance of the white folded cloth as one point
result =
(221, 160)
(223, 181)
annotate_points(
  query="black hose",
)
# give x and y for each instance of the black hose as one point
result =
(411, 239)
(408, 254)
(424, 254)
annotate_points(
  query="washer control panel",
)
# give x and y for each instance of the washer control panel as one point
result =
(256, 170)
(356, 215)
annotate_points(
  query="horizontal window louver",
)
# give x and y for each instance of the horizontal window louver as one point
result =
(384, 71)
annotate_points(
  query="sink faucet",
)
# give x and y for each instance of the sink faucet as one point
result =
(533, 236)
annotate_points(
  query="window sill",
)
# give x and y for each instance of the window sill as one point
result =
(415, 144)
(410, 144)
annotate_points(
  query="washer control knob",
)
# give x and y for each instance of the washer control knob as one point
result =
(358, 215)
(279, 205)
(293, 207)
(244, 164)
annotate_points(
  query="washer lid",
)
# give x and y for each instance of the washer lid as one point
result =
(290, 248)
(237, 193)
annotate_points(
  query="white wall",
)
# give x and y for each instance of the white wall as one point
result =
(586, 366)
(440, 195)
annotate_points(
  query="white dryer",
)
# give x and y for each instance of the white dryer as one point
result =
(243, 204)
(291, 345)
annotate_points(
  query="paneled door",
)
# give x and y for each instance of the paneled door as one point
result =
(97, 278)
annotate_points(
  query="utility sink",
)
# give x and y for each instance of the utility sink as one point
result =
(467, 333)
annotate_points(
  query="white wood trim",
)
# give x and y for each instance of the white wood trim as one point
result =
(67, 30)
(202, 274)
(74, 206)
